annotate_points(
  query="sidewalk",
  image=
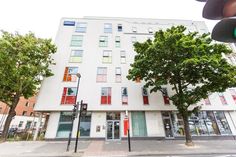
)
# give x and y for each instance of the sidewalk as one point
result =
(117, 148)
(153, 147)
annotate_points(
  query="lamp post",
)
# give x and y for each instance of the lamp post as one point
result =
(76, 106)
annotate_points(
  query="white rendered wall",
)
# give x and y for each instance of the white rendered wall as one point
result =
(154, 124)
(98, 119)
(52, 126)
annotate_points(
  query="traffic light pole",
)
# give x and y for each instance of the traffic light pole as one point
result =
(72, 116)
(69, 140)
(77, 132)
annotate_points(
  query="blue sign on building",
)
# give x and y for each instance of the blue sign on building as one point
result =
(69, 23)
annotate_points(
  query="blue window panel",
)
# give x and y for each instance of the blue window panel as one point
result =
(69, 23)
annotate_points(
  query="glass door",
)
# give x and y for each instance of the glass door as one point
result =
(113, 130)
(168, 126)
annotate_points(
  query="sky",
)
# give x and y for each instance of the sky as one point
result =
(43, 16)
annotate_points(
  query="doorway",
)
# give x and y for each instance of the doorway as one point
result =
(113, 130)
(168, 126)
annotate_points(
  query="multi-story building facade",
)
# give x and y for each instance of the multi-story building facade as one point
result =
(101, 50)
(25, 117)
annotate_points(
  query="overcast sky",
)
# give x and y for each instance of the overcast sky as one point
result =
(42, 16)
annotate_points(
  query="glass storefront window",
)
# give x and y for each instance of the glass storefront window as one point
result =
(203, 123)
(64, 125)
(139, 124)
(85, 124)
(222, 123)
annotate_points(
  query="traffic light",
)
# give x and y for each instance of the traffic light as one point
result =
(84, 109)
(75, 110)
(225, 30)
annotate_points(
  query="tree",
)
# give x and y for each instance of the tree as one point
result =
(24, 60)
(190, 63)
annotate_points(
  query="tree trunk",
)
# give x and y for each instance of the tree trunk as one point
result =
(188, 136)
(11, 114)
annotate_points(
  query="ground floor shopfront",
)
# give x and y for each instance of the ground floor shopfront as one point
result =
(142, 124)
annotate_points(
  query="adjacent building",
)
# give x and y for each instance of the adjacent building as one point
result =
(101, 50)
(25, 117)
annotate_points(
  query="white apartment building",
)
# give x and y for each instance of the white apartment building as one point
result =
(101, 50)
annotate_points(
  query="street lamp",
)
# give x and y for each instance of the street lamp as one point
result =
(74, 112)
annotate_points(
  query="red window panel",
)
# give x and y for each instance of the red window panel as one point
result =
(207, 101)
(103, 99)
(145, 100)
(166, 100)
(64, 91)
(70, 100)
(63, 98)
(233, 93)
(109, 100)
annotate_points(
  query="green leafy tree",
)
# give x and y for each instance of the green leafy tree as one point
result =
(189, 62)
(24, 60)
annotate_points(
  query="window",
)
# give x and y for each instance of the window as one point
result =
(133, 40)
(103, 41)
(64, 125)
(85, 125)
(102, 74)
(119, 27)
(145, 96)
(118, 74)
(107, 28)
(122, 57)
(106, 57)
(222, 123)
(124, 94)
(20, 124)
(27, 104)
(165, 96)
(139, 128)
(76, 56)
(24, 113)
(233, 93)
(70, 74)
(76, 41)
(150, 30)
(134, 29)
(117, 41)
(81, 27)
(28, 124)
(31, 114)
(106, 95)
(69, 95)
(222, 98)
(69, 23)
(207, 101)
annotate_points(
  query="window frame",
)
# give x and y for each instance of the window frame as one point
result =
(106, 98)
(103, 41)
(102, 75)
(124, 97)
(76, 58)
(122, 57)
(107, 56)
(68, 76)
(107, 27)
(145, 96)
(76, 41)
(118, 74)
(66, 96)
(81, 27)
